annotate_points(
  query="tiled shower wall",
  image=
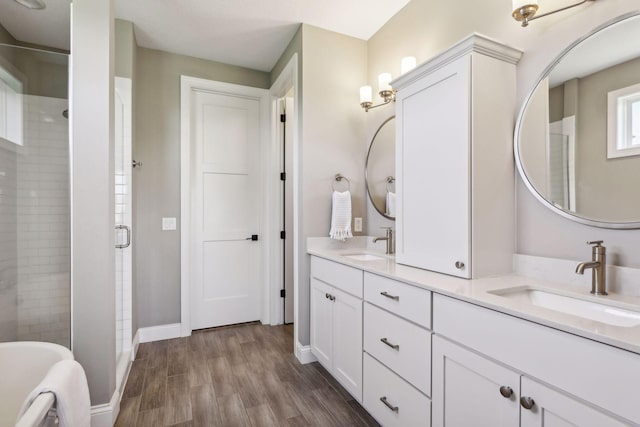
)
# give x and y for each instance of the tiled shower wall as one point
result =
(43, 211)
(9, 243)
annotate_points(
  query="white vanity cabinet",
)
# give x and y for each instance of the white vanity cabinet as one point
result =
(454, 160)
(336, 321)
(397, 345)
(491, 369)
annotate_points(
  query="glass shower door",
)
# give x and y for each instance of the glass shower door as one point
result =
(123, 219)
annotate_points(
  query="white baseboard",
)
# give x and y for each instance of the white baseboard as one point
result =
(134, 345)
(158, 333)
(105, 415)
(303, 354)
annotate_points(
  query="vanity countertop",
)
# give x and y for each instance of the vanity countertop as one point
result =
(477, 291)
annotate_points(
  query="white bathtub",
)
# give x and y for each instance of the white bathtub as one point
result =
(22, 366)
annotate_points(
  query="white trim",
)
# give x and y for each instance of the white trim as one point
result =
(159, 333)
(188, 85)
(134, 345)
(105, 415)
(304, 354)
(287, 79)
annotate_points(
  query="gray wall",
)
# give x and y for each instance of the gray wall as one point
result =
(333, 138)
(156, 143)
(93, 273)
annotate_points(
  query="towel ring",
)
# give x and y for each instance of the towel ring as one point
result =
(390, 181)
(339, 178)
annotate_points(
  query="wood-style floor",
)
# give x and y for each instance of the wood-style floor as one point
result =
(242, 375)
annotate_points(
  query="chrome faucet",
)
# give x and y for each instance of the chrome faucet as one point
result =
(598, 265)
(388, 238)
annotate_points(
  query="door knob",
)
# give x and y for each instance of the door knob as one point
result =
(527, 402)
(506, 391)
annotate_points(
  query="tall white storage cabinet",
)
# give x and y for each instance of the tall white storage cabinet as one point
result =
(454, 160)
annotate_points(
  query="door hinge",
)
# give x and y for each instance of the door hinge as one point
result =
(283, 118)
(283, 234)
(283, 176)
(283, 293)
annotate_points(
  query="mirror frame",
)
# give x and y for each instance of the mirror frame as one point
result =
(366, 169)
(516, 137)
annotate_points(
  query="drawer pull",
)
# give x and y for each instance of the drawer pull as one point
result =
(527, 402)
(393, 297)
(393, 346)
(506, 391)
(383, 399)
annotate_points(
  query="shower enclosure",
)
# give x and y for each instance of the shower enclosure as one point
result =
(35, 290)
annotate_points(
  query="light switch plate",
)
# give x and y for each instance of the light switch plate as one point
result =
(357, 225)
(168, 224)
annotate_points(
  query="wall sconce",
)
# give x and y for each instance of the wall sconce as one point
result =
(525, 10)
(386, 92)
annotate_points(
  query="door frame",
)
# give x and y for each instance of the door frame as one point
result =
(187, 86)
(286, 80)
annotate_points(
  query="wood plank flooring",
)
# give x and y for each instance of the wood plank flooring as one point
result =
(242, 375)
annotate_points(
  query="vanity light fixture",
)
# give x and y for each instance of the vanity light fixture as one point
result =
(386, 92)
(525, 10)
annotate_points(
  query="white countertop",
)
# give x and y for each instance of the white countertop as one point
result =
(475, 291)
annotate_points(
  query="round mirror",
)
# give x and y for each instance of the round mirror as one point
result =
(577, 141)
(380, 169)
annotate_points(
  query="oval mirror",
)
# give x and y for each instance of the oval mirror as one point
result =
(577, 141)
(380, 169)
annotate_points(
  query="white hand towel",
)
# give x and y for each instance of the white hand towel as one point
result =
(391, 203)
(67, 381)
(341, 216)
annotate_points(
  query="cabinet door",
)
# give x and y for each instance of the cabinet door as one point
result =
(433, 171)
(347, 342)
(320, 321)
(467, 389)
(554, 409)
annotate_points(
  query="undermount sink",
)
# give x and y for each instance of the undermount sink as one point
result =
(365, 257)
(593, 310)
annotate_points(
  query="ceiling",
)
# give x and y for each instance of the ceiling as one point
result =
(248, 33)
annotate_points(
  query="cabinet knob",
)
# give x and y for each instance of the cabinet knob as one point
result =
(459, 265)
(332, 298)
(506, 391)
(527, 402)
(326, 296)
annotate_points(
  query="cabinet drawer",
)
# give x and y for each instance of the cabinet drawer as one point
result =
(413, 408)
(347, 279)
(563, 360)
(408, 348)
(404, 300)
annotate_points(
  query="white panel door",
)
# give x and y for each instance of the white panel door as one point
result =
(321, 319)
(225, 206)
(347, 341)
(433, 168)
(554, 409)
(467, 389)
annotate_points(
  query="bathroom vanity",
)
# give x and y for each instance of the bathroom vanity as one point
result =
(422, 348)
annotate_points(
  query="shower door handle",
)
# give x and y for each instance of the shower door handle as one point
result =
(124, 227)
